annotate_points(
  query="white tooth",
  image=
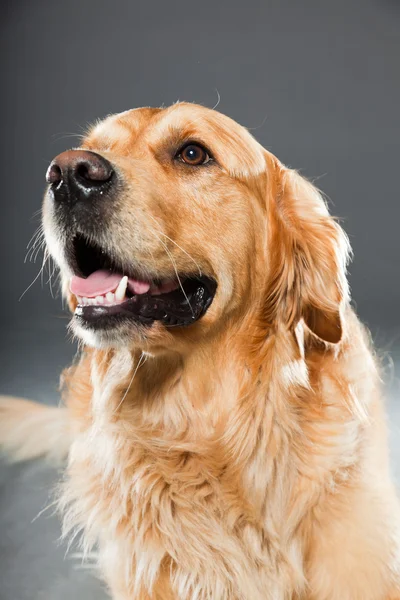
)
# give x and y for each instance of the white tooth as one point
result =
(110, 297)
(121, 289)
(99, 299)
(84, 301)
(79, 299)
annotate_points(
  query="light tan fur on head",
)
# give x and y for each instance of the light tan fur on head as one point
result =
(169, 217)
(243, 457)
(249, 216)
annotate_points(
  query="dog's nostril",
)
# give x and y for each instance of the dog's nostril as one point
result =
(94, 171)
(54, 174)
(82, 170)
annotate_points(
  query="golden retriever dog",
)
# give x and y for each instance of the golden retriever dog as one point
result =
(224, 426)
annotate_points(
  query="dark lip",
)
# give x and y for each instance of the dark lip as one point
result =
(171, 309)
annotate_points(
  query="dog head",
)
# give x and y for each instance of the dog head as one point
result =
(168, 223)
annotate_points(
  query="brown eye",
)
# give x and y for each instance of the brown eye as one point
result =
(194, 155)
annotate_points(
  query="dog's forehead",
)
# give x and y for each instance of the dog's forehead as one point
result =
(121, 129)
(232, 145)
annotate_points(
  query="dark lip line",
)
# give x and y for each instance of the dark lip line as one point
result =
(145, 309)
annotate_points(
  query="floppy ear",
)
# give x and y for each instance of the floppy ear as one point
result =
(308, 253)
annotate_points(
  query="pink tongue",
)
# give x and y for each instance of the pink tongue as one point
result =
(97, 284)
(101, 282)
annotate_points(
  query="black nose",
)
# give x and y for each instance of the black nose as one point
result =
(78, 175)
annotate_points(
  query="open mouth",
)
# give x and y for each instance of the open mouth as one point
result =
(107, 294)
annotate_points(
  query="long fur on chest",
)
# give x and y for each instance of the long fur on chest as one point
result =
(203, 475)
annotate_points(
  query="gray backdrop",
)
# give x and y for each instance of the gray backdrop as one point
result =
(317, 83)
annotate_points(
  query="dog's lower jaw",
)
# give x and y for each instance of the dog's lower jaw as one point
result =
(173, 463)
(118, 338)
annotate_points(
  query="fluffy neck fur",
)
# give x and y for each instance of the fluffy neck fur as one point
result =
(189, 468)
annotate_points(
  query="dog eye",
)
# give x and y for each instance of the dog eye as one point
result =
(194, 155)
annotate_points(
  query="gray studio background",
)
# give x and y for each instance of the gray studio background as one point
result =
(317, 83)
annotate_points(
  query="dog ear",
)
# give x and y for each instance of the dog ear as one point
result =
(308, 253)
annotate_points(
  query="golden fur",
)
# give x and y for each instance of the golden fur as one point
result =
(244, 457)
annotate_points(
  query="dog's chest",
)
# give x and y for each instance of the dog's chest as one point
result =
(183, 505)
(167, 507)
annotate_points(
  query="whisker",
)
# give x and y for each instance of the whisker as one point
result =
(40, 248)
(258, 126)
(131, 381)
(29, 254)
(35, 252)
(36, 278)
(37, 237)
(175, 268)
(46, 257)
(64, 135)
(177, 274)
(51, 274)
(38, 234)
(218, 101)
(178, 246)
(199, 118)
(36, 214)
